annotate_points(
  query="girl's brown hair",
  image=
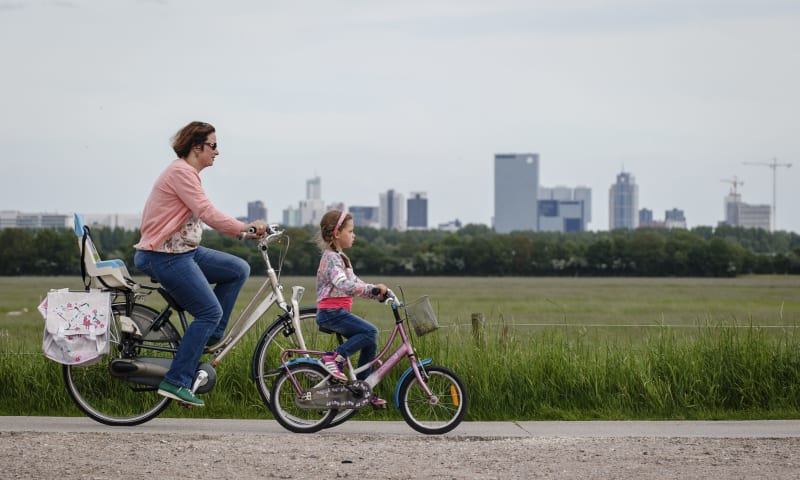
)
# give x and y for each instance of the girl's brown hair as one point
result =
(193, 134)
(327, 230)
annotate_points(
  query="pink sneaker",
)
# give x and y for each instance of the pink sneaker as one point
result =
(330, 364)
(377, 402)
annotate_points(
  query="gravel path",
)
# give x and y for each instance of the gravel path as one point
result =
(127, 454)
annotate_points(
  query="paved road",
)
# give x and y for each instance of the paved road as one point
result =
(483, 430)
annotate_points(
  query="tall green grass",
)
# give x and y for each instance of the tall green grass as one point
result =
(724, 371)
(687, 349)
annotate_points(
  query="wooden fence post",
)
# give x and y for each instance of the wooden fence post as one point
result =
(478, 329)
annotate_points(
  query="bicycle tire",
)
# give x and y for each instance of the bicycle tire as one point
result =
(438, 415)
(116, 401)
(278, 337)
(284, 395)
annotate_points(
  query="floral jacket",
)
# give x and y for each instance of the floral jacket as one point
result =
(335, 280)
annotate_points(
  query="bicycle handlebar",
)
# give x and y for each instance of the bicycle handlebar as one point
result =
(271, 233)
(271, 229)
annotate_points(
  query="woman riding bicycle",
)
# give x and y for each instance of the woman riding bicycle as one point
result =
(169, 251)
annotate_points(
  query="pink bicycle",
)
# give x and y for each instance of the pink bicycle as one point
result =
(432, 399)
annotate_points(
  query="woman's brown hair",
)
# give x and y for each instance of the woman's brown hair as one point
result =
(193, 134)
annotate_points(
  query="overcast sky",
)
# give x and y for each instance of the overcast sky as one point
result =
(410, 95)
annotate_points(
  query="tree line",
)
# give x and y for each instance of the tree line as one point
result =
(475, 250)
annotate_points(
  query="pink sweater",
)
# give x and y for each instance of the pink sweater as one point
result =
(177, 194)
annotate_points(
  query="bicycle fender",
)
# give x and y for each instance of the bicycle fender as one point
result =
(291, 362)
(295, 361)
(409, 371)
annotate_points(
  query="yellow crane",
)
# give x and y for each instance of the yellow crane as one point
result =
(774, 164)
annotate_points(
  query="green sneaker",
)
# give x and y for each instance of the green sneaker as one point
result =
(181, 394)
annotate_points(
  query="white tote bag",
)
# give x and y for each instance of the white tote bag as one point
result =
(76, 326)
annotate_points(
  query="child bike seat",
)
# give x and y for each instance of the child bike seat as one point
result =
(107, 273)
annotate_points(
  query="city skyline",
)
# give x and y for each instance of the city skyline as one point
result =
(413, 96)
(390, 210)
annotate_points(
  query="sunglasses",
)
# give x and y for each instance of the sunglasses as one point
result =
(212, 145)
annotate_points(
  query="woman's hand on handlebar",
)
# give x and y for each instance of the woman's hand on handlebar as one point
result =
(255, 229)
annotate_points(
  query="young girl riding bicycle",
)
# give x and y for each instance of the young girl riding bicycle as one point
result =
(337, 284)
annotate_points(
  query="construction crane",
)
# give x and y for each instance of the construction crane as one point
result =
(774, 166)
(735, 182)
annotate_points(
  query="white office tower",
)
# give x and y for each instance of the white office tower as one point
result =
(312, 208)
(392, 211)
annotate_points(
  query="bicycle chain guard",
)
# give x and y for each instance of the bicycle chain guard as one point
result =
(350, 396)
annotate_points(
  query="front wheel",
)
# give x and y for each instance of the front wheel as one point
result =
(285, 396)
(441, 412)
(114, 400)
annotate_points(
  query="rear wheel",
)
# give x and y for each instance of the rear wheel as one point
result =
(281, 336)
(113, 400)
(285, 396)
(441, 412)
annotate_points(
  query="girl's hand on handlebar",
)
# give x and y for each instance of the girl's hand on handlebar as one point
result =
(379, 290)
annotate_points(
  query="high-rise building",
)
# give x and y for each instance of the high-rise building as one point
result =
(755, 216)
(256, 211)
(312, 208)
(740, 214)
(314, 188)
(365, 216)
(562, 209)
(674, 218)
(291, 217)
(623, 203)
(645, 216)
(392, 210)
(516, 189)
(732, 202)
(561, 216)
(584, 194)
(559, 192)
(417, 206)
(308, 211)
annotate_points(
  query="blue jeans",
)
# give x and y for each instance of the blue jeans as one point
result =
(360, 334)
(188, 278)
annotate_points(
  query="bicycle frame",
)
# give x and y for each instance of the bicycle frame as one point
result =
(404, 350)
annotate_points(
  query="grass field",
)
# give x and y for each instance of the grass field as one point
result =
(552, 347)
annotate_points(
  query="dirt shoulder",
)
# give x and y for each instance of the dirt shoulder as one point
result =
(125, 454)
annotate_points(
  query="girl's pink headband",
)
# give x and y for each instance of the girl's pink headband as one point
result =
(340, 221)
